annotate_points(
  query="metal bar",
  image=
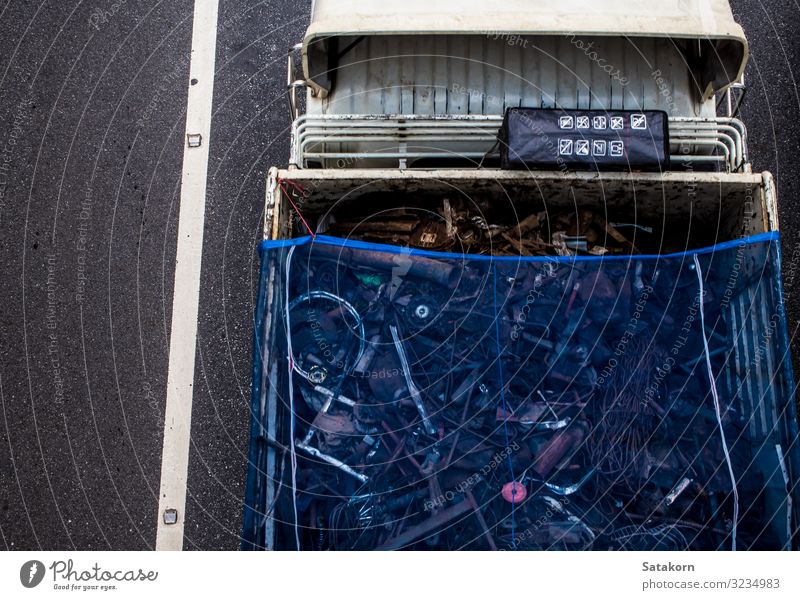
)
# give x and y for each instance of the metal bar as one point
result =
(412, 387)
(291, 83)
(331, 461)
(392, 154)
(339, 398)
(479, 515)
(735, 133)
(417, 531)
(696, 158)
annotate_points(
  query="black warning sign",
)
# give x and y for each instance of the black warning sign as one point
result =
(584, 139)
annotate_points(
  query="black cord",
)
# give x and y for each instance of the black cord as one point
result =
(491, 150)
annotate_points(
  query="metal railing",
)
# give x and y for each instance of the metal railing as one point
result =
(294, 81)
(370, 141)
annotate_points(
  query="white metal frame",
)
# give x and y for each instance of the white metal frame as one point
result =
(720, 140)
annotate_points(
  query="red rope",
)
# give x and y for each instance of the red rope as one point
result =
(294, 206)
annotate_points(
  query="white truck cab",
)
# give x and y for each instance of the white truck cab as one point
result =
(402, 83)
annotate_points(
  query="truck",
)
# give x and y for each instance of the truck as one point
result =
(520, 288)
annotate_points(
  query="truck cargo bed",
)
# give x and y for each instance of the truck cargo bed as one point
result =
(510, 402)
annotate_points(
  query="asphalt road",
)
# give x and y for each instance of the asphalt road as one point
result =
(92, 101)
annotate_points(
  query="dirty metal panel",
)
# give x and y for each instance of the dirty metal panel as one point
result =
(474, 75)
(703, 195)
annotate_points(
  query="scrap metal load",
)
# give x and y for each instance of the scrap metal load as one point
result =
(472, 402)
(465, 229)
(488, 228)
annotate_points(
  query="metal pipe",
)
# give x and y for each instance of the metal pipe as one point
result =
(331, 461)
(431, 524)
(412, 387)
(479, 515)
(440, 272)
(291, 83)
(566, 490)
(338, 397)
(556, 448)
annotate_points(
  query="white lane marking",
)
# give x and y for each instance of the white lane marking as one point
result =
(186, 294)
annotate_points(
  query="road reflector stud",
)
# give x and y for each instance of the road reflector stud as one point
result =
(170, 516)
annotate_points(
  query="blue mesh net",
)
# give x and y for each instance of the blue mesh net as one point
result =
(448, 401)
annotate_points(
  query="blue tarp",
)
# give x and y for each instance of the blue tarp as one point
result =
(450, 401)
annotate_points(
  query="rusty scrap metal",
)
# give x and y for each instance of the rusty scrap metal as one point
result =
(456, 226)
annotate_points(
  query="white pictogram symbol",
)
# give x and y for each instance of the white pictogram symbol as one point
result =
(638, 121)
(565, 147)
(582, 147)
(599, 122)
(616, 148)
(617, 122)
(598, 147)
(582, 122)
(567, 122)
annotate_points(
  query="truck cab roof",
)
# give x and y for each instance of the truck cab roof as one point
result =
(719, 46)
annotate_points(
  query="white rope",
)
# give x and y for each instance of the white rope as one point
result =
(291, 398)
(789, 509)
(717, 409)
